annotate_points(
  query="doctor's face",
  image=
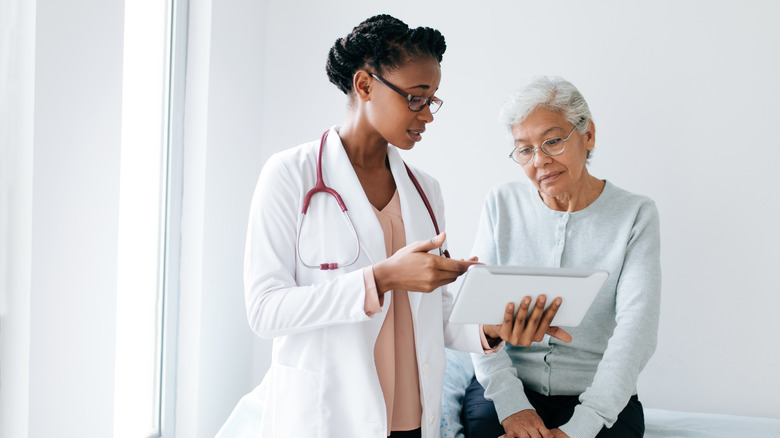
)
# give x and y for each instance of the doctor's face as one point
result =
(389, 111)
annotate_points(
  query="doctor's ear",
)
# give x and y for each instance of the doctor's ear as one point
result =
(361, 83)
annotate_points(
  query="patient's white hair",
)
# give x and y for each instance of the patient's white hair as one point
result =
(550, 92)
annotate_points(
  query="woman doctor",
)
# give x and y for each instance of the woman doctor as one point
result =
(358, 317)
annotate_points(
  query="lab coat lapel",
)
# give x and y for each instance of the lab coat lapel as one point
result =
(417, 222)
(338, 174)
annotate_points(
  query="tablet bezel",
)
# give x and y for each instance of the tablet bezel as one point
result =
(474, 305)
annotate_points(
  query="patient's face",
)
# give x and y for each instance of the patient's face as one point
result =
(558, 175)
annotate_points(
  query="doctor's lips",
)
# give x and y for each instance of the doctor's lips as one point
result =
(416, 133)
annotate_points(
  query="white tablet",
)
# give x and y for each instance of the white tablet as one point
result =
(486, 289)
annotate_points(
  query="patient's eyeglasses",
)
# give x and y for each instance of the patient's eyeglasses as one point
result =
(416, 103)
(551, 146)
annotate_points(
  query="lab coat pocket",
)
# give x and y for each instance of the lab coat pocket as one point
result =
(295, 399)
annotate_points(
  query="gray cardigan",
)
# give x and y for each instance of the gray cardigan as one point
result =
(619, 232)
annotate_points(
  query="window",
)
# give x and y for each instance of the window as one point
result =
(141, 291)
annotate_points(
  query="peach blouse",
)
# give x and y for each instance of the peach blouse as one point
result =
(394, 352)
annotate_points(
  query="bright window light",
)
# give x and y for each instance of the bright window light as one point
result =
(137, 398)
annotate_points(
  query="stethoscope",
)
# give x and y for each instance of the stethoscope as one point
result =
(320, 187)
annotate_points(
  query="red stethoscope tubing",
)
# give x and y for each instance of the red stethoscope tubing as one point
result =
(320, 187)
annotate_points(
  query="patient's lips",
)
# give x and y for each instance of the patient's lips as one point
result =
(549, 177)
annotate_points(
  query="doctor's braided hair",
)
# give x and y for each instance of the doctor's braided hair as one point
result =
(380, 42)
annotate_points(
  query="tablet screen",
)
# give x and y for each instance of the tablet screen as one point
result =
(485, 291)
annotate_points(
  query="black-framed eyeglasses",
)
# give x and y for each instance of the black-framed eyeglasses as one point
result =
(551, 146)
(416, 103)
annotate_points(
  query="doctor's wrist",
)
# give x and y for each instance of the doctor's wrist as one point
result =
(382, 277)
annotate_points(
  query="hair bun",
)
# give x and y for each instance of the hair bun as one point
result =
(380, 42)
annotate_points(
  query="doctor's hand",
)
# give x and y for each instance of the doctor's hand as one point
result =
(412, 268)
(521, 329)
(524, 424)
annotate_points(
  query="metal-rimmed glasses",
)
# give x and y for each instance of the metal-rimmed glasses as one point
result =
(416, 103)
(551, 146)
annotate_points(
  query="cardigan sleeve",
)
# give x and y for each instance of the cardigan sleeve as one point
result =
(461, 337)
(495, 372)
(638, 299)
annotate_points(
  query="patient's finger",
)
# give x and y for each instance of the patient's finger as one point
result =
(533, 321)
(559, 333)
(505, 329)
(520, 321)
(547, 318)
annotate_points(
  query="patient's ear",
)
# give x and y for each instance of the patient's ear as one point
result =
(590, 136)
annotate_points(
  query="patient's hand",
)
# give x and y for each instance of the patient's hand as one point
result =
(518, 331)
(557, 433)
(524, 424)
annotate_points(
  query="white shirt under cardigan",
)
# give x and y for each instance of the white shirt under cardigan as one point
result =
(619, 232)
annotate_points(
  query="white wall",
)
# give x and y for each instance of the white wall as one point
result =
(215, 355)
(77, 121)
(61, 75)
(684, 99)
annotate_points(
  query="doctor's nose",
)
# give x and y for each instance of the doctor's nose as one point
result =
(425, 114)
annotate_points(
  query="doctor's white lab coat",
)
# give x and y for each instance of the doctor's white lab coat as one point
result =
(323, 381)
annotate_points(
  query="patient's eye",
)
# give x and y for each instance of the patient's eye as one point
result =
(525, 152)
(553, 146)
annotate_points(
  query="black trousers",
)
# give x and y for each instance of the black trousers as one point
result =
(480, 420)
(417, 433)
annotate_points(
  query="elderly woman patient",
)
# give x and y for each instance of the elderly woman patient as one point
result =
(567, 217)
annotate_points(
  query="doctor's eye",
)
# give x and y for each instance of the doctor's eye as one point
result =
(417, 103)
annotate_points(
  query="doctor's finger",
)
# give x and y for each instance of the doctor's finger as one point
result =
(453, 265)
(435, 278)
(448, 275)
(442, 277)
(427, 245)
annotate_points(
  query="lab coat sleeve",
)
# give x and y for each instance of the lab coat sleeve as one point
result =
(495, 372)
(462, 337)
(276, 305)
